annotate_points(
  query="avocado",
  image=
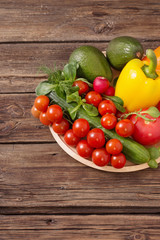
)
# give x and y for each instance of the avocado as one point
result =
(122, 49)
(92, 63)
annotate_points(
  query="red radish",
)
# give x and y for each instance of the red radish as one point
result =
(100, 84)
(110, 91)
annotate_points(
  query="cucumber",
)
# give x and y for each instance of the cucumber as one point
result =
(134, 151)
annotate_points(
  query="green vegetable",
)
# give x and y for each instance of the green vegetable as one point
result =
(117, 101)
(134, 151)
(122, 49)
(92, 63)
(152, 111)
(152, 163)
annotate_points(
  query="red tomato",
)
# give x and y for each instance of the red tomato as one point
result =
(35, 112)
(70, 138)
(120, 114)
(108, 121)
(106, 106)
(100, 157)
(114, 146)
(44, 119)
(125, 128)
(54, 113)
(158, 106)
(146, 132)
(83, 87)
(118, 161)
(41, 103)
(61, 127)
(96, 138)
(83, 149)
(93, 98)
(80, 127)
(110, 91)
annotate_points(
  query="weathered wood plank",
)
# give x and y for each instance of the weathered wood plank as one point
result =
(53, 20)
(20, 62)
(110, 227)
(36, 175)
(16, 122)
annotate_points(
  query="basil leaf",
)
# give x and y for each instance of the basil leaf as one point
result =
(44, 88)
(69, 71)
(70, 90)
(60, 92)
(72, 113)
(74, 97)
(153, 164)
(115, 99)
(86, 81)
(119, 107)
(153, 112)
(90, 109)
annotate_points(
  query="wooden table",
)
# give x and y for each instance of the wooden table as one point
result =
(44, 193)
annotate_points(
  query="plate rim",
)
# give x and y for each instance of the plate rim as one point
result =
(71, 152)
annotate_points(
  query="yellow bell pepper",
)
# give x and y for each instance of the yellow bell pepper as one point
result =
(138, 84)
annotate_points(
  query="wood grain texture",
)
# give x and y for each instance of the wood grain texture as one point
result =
(110, 227)
(16, 121)
(20, 62)
(53, 20)
(42, 175)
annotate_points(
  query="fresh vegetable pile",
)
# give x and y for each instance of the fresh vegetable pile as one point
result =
(106, 120)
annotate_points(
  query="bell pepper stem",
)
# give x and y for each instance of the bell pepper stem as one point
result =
(150, 70)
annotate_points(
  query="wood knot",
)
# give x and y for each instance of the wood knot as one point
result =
(15, 110)
(138, 236)
(50, 221)
(103, 27)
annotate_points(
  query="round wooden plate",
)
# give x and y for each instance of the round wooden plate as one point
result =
(130, 167)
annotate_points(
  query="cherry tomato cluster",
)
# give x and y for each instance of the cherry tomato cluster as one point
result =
(48, 115)
(89, 143)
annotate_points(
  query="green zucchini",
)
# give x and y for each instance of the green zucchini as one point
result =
(134, 151)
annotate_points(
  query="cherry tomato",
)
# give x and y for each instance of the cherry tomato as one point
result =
(94, 98)
(70, 138)
(41, 103)
(83, 149)
(108, 121)
(61, 127)
(120, 114)
(35, 112)
(100, 157)
(54, 113)
(83, 87)
(44, 119)
(146, 132)
(106, 106)
(114, 146)
(118, 161)
(96, 138)
(110, 91)
(80, 127)
(125, 128)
